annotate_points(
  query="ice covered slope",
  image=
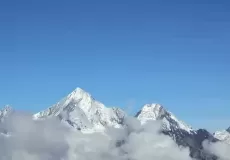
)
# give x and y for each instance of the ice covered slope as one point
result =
(223, 135)
(158, 112)
(80, 110)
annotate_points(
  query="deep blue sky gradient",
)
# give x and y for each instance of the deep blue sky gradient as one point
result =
(125, 53)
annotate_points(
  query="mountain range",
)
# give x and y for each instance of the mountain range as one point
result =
(80, 111)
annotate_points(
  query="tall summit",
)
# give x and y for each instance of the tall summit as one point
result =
(80, 110)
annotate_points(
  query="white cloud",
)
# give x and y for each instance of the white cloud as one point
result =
(220, 149)
(50, 140)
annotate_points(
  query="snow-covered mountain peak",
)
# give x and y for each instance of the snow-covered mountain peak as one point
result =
(158, 112)
(151, 112)
(80, 110)
(77, 98)
(79, 93)
(223, 135)
(80, 90)
(152, 107)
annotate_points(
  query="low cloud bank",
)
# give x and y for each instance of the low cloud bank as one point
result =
(220, 149)
(51, 140)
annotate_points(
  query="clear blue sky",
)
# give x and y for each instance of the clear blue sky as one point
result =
(125, 53)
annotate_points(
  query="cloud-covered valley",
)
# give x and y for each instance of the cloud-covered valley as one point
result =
(50, 139)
